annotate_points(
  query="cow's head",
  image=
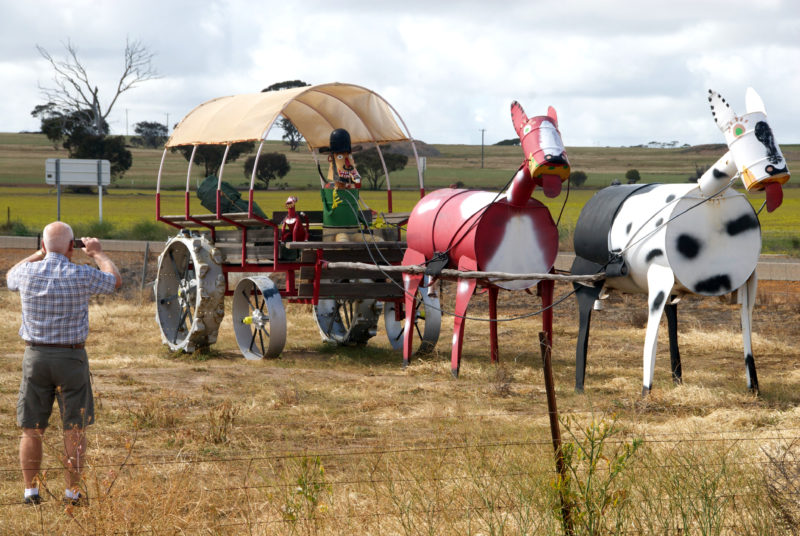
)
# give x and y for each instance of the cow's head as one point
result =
(544, 151)
(753, 147)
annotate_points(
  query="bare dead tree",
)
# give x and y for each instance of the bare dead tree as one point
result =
(74, 91)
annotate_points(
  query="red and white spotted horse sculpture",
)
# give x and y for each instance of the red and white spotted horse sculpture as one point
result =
(492, 232)
(666, 240)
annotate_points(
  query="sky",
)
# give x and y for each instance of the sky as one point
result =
(617, 72)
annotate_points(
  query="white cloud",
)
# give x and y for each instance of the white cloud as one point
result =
(617, 72)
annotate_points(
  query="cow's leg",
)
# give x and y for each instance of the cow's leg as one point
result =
(660, 281)
(411, 283)
(493, 323)
(586, 298)
(465, 289)
(747, 297)
(671, 310)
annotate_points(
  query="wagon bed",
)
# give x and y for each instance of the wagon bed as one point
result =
(194, 268)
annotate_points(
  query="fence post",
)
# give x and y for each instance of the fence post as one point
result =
(555, 430)
(144, 264)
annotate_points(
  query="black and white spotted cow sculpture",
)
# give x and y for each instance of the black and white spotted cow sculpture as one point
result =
(666, 240)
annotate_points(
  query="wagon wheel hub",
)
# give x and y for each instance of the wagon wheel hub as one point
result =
(259, 320)
(189, 289)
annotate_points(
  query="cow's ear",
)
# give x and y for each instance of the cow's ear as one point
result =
(721, 110)
(551, 113)
(753, 102)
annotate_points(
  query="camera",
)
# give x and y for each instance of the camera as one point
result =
(77, 243)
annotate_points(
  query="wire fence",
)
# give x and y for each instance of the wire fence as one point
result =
(776, 435)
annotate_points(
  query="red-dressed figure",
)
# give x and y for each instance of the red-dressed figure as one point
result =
(294, 227)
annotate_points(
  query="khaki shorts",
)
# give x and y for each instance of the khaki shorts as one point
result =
(60, 374)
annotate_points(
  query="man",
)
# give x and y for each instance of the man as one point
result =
(55, 322)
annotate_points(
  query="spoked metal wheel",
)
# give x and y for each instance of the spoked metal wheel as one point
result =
(347, 321)
(259, 319)
(189, 293)
(427, 322)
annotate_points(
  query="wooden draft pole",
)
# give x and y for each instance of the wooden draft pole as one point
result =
(447, 272)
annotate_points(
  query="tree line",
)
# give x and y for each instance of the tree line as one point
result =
(75, 117)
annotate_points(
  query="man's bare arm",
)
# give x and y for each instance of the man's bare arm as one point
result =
(93, 249)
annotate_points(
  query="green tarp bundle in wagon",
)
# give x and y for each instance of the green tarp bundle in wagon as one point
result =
(230, 197)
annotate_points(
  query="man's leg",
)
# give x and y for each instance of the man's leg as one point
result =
(30, 454)
(74, 450)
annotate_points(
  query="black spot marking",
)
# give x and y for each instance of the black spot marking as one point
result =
(657, 301)
(670, 197)
(628, 228)
(653, 254)
(659, 221)
(688, 246)
(764, 135)
(741, 224)
(713, 285)
(720, 174)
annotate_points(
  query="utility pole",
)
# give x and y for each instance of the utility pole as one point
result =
(126, 122)
(167, 123)
(482, 131)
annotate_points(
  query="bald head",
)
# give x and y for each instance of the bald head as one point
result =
(57, 237)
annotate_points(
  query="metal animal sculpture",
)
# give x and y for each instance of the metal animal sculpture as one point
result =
(666, 240)
(294, 227)
(486, 231)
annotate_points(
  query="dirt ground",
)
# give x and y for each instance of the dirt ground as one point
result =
(777, 313)
(777, 306)
(212, 443)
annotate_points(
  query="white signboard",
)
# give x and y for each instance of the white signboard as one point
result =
(77, 172)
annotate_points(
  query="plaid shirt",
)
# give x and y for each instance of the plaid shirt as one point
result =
(55, 298)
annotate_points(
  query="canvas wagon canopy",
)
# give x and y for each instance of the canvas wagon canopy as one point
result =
(314, 110)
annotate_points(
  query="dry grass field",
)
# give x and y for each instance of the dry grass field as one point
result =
(329, 440)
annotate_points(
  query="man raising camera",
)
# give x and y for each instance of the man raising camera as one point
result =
(55, 323)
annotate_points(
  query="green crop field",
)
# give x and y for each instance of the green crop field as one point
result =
(29, 204)
(22, 159)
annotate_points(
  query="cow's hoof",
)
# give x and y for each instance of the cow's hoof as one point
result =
(454, 372)
(645, 391)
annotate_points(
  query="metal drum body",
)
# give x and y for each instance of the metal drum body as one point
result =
(500, 237)
(711, 245)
